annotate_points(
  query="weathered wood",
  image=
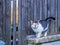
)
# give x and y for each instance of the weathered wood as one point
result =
(32, 10)
(49, 13)
(29, 14)
(4, 22)
(26, 17)
(33, 40)
(45, 8)
(20, 22)
(52, 10)
(7, 21)
(1, 17)
(40, 9)
(14, 22)
(32, 14)
(56, 12)
(35, 5)
(23, 17)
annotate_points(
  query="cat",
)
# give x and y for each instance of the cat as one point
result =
(41, 26)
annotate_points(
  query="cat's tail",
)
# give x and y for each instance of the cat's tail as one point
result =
(48, 18)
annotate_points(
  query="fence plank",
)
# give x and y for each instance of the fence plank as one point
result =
(45, 8)
(56, 28)
(49, 7)
(14, 22)
(52, 14)
(57, 19)
(1, 16)
(40, 9)
(49, 13)
(26, 17)
(23, 24)
(35, 5)
(20, 22)
(56, 16)
(29, 15)
(32, 10)
(8, 24)
(4, 21)
(58, 13)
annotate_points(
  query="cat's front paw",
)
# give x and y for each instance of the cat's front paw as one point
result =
(38, 36)
(45, 34)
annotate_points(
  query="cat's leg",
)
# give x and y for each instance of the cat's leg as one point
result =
(38, 35)
(45, 34)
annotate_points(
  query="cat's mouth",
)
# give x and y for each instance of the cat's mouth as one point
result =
(35, 27)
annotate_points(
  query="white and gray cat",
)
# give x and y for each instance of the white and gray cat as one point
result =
(41, 26)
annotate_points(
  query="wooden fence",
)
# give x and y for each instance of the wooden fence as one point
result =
(27, 10)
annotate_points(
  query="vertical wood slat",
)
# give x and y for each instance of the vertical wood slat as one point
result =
(8, 24)
(52, 14)
(58, 13)
(28, 14)
(55, 17)
(29, 23)
(43, 13)
(1, 19)
(32, 10)
(40, 9)
(4, 22)
(26, 10)
(46, 10)
(19, 22)
(26, 19)
(23, 24)
(31, 15)
(56, 27)
(14, 22)
(49, 7)
(55, 11)
(49, 13)
(35, 10)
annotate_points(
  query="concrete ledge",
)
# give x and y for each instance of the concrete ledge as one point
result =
(31, 39)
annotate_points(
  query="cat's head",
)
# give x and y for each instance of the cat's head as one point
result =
(34, 25)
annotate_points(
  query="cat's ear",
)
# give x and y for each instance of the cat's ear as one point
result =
(31, 22)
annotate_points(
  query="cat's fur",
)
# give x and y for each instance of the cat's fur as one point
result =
(38, 27)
